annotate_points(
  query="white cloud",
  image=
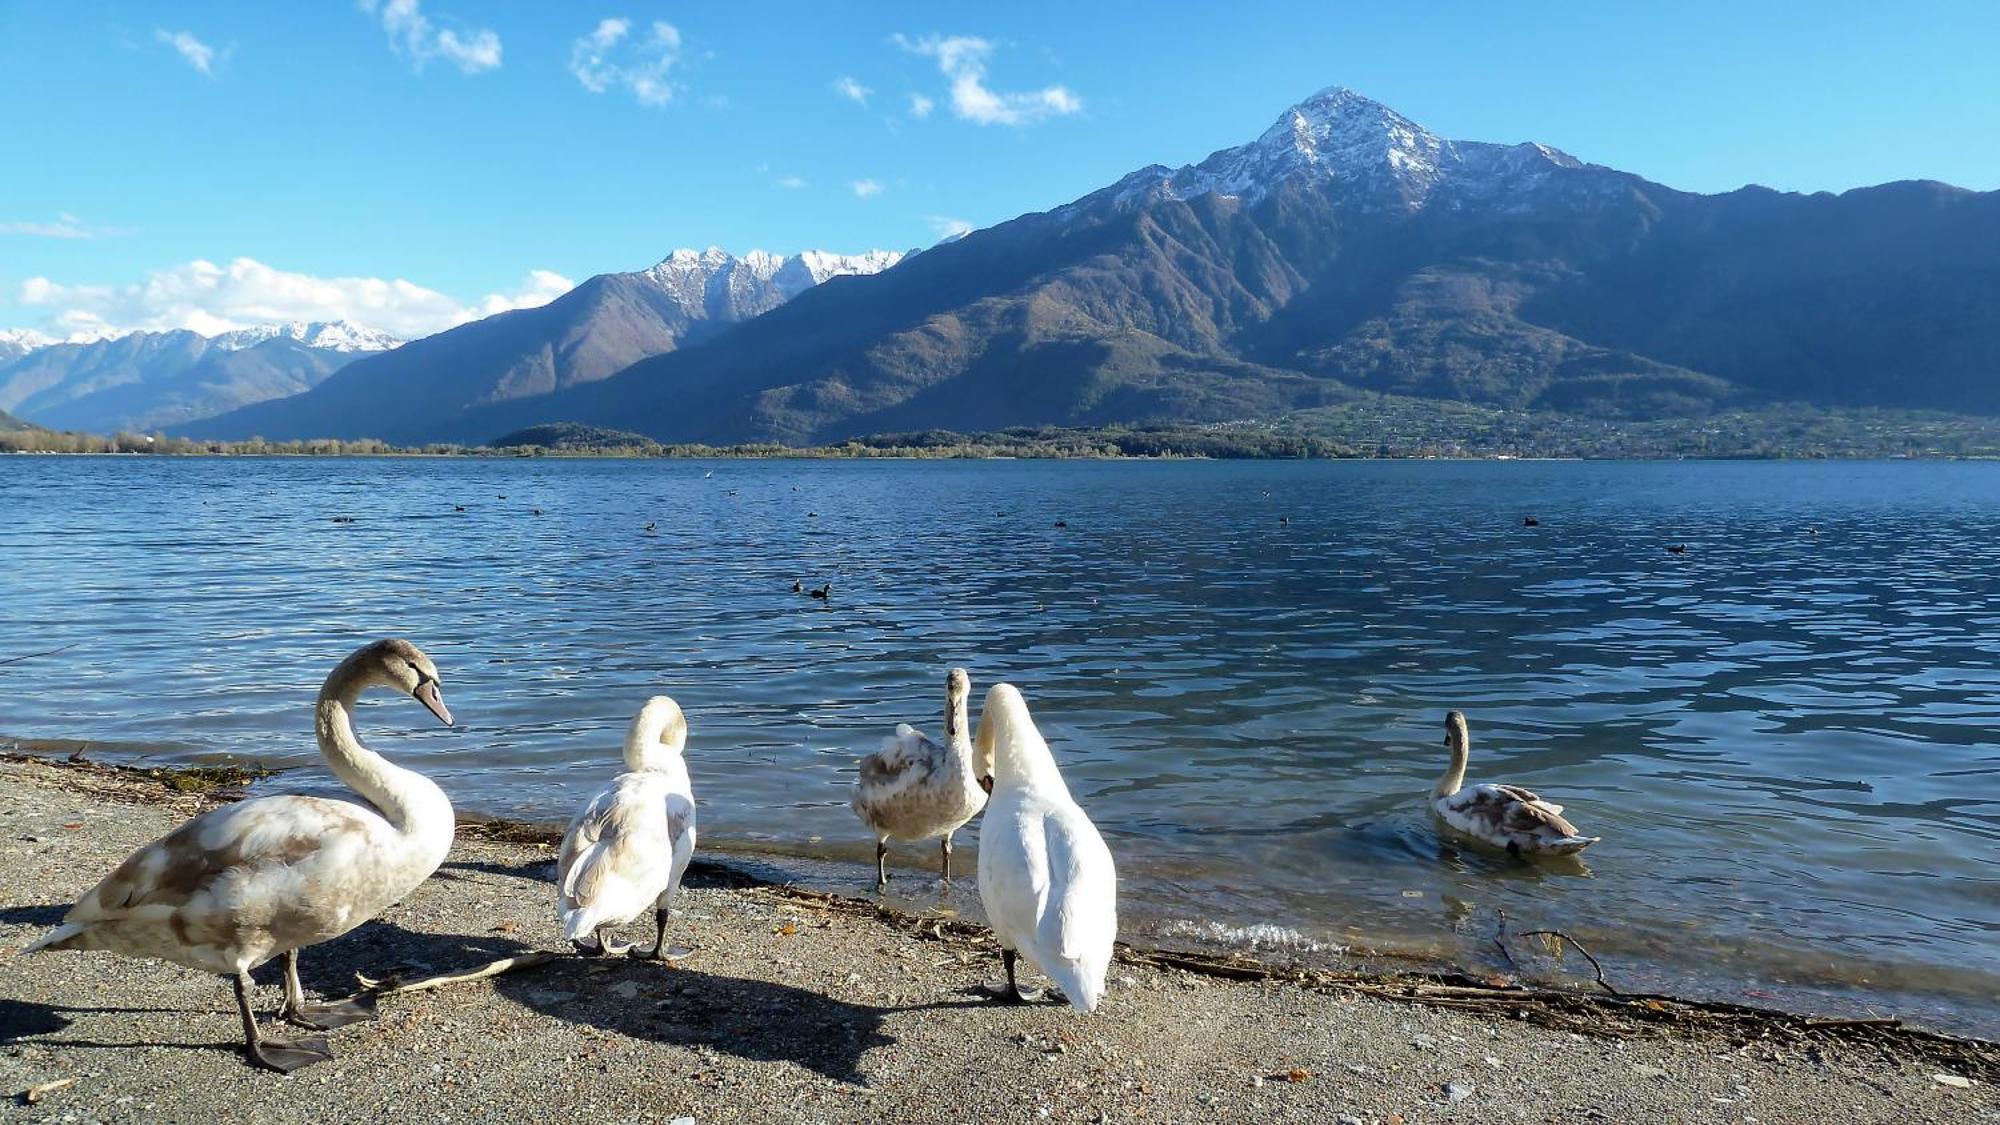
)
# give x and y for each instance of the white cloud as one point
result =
(921, 106)
(205, 297)
(851, 90)
(948, 228)
(962, 58)
(610, 56)
(198, 54)
(65, 226)
(792, 182)
(413, 36)
(867, 189)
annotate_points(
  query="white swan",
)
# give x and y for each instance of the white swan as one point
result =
(238, 885)
(1045, 877)
(913, 789)
(1505, 816)
(631, 844)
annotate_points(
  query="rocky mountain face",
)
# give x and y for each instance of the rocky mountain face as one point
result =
(1348, 250)
(145, 381)
(601, 327)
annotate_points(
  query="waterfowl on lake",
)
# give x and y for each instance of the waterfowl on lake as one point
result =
(914, 789)
(823, 593)
(1046, 879)
(798, 587)
(238, 885)
(650, 525)
(1505, 816)
(1677, 548)
(1531, 521)
(629, 847)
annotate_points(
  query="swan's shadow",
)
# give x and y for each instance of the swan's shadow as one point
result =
(754, 1020)
(45, 916)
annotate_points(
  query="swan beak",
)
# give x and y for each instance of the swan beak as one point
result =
(986, 783)
(427, 694)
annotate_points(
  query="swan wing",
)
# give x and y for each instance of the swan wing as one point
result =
(906, 761)
(1079, 920)
(233, 885)
(618, 857)
(1529, 797)
(1498, 813)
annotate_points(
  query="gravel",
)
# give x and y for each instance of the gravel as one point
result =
(791, 1012)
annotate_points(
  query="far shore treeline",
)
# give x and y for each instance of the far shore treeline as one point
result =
(1387, 427)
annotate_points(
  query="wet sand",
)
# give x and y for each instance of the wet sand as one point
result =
(796, 1007)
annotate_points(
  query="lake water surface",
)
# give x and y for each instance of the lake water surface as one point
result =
(1786, 739)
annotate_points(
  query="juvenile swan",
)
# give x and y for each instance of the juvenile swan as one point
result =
(630, 845)
(913, 789)
(238, 885)
(1045, 877)
(1506, 816)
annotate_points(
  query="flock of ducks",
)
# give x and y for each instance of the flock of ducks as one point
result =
(239, 885)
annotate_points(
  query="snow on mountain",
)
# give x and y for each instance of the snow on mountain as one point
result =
(716, 285)
(1339, 136)
(332, 335)
(17, 342)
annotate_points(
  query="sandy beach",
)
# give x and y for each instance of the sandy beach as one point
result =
(798, 1007)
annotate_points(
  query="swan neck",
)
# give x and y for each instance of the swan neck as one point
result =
(1020, 756)
(402, 797)
(1454, 774)
(654, 742)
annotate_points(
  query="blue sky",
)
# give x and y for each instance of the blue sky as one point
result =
(416, 163)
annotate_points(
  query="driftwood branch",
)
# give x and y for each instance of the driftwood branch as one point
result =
(391, 986)
(1580, 948)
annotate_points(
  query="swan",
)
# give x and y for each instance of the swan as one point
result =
(1045, 877)
(913, 789)
(1506, 816)
(631, 844)
(238, 885)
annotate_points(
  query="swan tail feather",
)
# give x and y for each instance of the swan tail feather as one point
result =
(1570, 845)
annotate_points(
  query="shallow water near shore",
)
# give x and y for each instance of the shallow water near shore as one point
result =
(1784, 737)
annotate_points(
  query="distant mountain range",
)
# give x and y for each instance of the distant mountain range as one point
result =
(596, 330)
(1346, 251)
(145, 381)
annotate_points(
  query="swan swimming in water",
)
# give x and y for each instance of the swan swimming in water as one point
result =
(1506, 816)
(913, 788)
(631, 844)
(238, 885)
(1045, 877)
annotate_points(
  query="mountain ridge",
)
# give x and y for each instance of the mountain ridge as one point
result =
(600, 327)
(1342, 251)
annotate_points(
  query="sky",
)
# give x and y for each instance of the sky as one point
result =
(411, 164)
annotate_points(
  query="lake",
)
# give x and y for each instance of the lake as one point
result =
(1784, 735)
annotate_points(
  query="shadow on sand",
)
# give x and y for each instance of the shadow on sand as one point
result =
(754, 1020)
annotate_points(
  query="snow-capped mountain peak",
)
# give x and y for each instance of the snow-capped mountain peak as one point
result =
(714, 284)
(1337, 136)
(331, 335)
(17, 342)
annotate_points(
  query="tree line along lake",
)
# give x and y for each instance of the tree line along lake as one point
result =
(1784, 733)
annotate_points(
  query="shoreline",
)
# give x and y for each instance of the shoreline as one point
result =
(1779, 984)
(1325, 1023)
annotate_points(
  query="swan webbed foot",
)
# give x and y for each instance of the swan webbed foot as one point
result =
(333, 1013)
(1013, 993)
(288, 1055)
(677, 953)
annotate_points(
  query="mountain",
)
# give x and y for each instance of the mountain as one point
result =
(145, 381)
(597, 329)
(17, 342)
(1349, 250)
